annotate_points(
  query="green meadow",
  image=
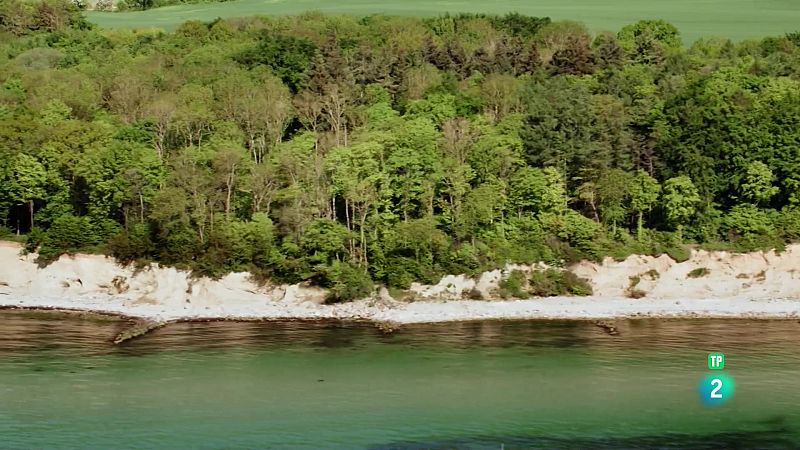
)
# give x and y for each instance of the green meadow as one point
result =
(735, 19)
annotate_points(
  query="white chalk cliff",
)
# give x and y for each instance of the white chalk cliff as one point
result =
(759, 284)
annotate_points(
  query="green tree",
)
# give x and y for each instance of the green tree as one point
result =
(680, 201)
(644, 192)
(537, 191)
(27, 183)
(757, 186)
(560, 125)
(357, 176)
(647, 41)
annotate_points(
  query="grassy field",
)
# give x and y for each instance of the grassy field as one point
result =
(735, 19)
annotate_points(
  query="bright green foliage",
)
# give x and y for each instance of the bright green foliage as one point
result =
(574, 229)
(325, 240)
(789, 222)
(613, 190)
(680, 200)
(757, 186)
(346, 282)
(344, 151)
(649, 41)
(26, 182)
(644, 191)
(752, 228)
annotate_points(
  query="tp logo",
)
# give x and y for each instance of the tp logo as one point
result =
(716, 388)
(716, 361)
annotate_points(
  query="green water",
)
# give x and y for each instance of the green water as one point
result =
(477, 385)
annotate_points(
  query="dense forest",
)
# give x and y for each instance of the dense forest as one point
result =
(347, 151)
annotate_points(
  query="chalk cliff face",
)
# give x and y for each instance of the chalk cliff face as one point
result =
(99, 283)
(705, 274)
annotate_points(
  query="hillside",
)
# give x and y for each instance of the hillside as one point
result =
(346, 151)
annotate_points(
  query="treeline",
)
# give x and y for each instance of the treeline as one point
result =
(125, 5)
(347, 151)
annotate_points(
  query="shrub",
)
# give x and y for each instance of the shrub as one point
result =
(5, 232)
(512, 285)
(553, 282)
(699, 272)
(576, 285)
(653, 274)
(473, 294)
(751, 228)
(632, 291)
(636, 293)
(679, 253)
(132, 244)
(571, 227)
(346, 282)
(789, 222)
(66, 234)
(401, 272)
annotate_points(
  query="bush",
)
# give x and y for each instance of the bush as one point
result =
(553, 282)
(346, 282)
(751, 228)
(67, 234)
(636, 293)
(133, 244)
(699, 272)
(789, 222)
(512, 285)
(578, 231)
(632, 291)
(576, 285)
(473, 294)
(679, 253)
(6, 232)
(179, 246)
(401, 272)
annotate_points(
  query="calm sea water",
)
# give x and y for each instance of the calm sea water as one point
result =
(476, 385)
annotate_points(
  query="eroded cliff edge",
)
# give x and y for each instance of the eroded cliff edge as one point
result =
(709, 284)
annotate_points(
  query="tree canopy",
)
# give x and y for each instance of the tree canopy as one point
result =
(347, 151)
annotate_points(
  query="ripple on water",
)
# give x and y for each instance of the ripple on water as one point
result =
(541, 384)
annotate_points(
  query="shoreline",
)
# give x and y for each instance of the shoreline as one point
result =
(759, 285)
(448, 311)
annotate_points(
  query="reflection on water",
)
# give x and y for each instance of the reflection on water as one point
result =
(772, 439)
(531, 384)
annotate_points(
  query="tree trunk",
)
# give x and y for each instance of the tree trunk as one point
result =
(364, 239)
(229, 186)
(141, 207)
(640, 226)
(347, 213)
(30, 204)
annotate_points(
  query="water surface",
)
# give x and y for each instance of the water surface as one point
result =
(490, 385)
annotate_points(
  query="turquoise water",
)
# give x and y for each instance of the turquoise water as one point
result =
(320, 385)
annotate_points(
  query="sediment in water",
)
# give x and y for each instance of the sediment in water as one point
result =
(137, 328)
